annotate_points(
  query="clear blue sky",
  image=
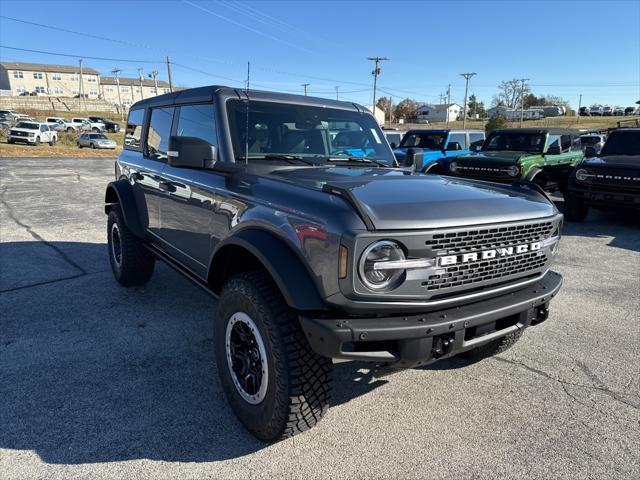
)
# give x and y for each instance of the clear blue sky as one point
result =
(564, 47)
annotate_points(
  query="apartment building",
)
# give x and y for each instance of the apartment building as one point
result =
(131, 89)
(48, 80)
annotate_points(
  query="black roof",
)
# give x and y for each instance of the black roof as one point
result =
(540, 130)
(206, 94)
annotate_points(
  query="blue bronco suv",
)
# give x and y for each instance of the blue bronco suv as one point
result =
(428, 146)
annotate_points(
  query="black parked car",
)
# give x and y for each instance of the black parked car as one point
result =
(610, 179)
(110, 125)
(317, 248)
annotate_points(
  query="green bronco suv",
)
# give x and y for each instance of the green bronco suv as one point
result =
(544, 156)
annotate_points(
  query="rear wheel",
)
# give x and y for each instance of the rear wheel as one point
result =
(493, 348)
(52, 142)
(276, 385)
(574, 208)
(131, 263)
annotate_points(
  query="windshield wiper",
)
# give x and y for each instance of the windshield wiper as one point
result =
(279, 156)
(356, 160)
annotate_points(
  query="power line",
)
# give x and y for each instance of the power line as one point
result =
(75, 55)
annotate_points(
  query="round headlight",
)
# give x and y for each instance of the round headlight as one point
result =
(582, 174)
(513, 171)
(381, 279)
(453, 167)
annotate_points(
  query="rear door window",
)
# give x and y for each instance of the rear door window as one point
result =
(476, 138)
(460, 138)
(133, 132)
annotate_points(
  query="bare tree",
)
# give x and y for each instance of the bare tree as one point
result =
(510, 93)
(406, 109)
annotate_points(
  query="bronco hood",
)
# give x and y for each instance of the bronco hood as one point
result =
(613, 161)
(398, 200)
(485, 157)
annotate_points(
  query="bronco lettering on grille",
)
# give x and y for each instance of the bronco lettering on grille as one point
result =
(445, 260)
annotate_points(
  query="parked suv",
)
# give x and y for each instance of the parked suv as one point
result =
(33, 133)
(109, 126)
(608, 180)
(60, 124)
(542, 156)
(595, 140)
(317, 254)
(425, 147)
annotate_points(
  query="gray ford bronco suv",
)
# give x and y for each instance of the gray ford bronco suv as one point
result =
(290, 211)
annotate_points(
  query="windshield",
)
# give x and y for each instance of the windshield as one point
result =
(523, 142)
(428, 141)
(591, 140)
(305, 131)
(98, 136)
(622, 143)
(30, 126)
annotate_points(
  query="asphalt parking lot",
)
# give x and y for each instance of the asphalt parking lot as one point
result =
(97, 381)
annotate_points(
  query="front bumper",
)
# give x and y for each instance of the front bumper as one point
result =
(597, 196)
(15, 138)
(413, 340)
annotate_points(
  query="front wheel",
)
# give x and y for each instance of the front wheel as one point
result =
(95, 129)
(276, 385)
(574, 208)
(92, 145)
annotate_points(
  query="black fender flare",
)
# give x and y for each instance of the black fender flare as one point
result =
(532, 174)
(435, 165)
(285, 267)
(120, 192)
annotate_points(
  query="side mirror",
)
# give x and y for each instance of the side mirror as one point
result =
(474, 148)
(452, 146)
(393, 145)
(191, 152)
(415, 157)
(553, 150)
(590, 152)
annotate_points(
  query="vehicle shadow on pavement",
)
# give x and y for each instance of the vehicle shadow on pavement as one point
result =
(93, 372)
(623, 226)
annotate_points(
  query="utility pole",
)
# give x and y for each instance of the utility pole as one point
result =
(579, 107)
(390, 109)
(154, 74)
(305, 86)
(375, 73)
(523, 80)
(82, 87)
(116, 72)
(446, 110)
(466, 76)
(140, 76)
(169, 75)
(337, 88)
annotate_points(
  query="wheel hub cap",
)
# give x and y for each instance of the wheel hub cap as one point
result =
(116, 246)
(246, 358)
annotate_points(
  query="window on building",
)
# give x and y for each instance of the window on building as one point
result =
(75, 91)
(91, 79)
(159, 131)
(108, 88)
(18, 74)
(197, 121)
(56, 76)
(40, 90)
(93, 92)
(165, 90)
(133, 132)
(58, 90)
(74, 78)
(124, 89)
(37, 75)
(20, 88)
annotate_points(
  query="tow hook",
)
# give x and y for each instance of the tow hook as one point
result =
(541, 314)
(441, 345)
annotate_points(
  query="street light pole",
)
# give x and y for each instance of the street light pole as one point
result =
(466, 76)
(448, 105)
(116, 72)
(337, 87)
(579, 107)
(305, 86)
(375, 73)
(522, 100)
(140, 75)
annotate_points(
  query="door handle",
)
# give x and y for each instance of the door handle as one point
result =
(167, 187)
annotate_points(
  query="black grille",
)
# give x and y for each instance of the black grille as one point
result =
(484, 270)
(490, 237)
(19, 134)
(625, 179)
(496, 173)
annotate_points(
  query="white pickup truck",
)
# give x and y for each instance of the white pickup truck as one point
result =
(59, 124)
(94, 126)
(33, 133)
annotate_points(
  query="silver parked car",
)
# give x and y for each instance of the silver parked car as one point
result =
(95, 140)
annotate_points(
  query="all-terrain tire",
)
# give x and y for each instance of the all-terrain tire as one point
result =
(299, 380)
(574, 209)
(132, 264)
(493, 348)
